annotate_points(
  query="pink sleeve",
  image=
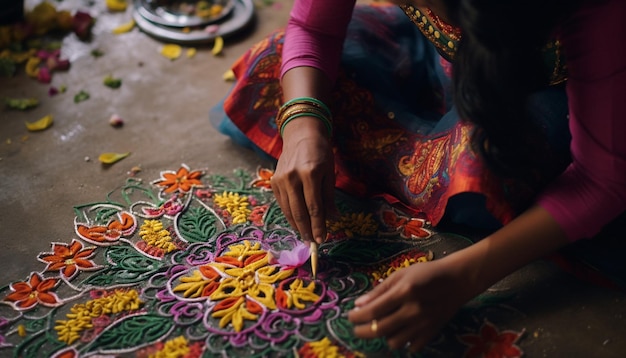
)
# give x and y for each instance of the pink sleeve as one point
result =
(315, 34)
(592, 191)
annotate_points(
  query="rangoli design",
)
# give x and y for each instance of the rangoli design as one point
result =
(205, 265)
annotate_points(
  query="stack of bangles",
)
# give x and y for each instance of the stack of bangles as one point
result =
(303, 107)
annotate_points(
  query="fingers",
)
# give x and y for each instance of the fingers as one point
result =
(386, 286)
(380, 302)
(304, 199)
(283, 202)
(301, 208)
(300, 213)
(397, 324)
(315, 194)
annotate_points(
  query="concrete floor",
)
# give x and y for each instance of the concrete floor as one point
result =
(165, 106)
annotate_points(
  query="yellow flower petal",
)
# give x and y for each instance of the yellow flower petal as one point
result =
(218, 45)
(32, 66)
(171, 51)
(110, 158)
(40, 125)
(116, 5)
(228, 76)
(123, 28)
(191, 52)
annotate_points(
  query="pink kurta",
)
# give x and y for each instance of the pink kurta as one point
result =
(592, 190)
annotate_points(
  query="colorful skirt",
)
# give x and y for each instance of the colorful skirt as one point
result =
(397, 134)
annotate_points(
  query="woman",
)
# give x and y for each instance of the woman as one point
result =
(444, 107)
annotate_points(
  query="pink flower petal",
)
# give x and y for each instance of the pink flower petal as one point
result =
(43, 75)
(295, 257)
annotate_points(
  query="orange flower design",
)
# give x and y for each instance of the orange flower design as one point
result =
(263, 179)
(69, 352)
(491, 343)
(69, 259)
(182, 180)
(27, 295)
(412, 228)
(109, 234)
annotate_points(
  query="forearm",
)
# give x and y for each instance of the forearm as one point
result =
(532, 235)
(306, 81)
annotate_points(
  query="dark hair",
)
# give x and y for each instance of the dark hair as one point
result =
(497, 65)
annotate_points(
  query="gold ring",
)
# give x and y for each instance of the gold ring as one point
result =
(374, 326)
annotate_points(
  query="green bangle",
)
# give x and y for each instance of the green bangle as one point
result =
(326, 121)
(311, 100)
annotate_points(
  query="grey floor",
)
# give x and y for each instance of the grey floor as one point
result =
(165, 107)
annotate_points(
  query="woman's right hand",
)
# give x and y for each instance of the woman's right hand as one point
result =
(304, 180)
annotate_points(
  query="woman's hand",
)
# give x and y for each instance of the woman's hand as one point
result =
(304, 180)
(412, 305)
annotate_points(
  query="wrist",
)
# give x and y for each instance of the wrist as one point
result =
(304, 127)
(304, 107)
(468, 267)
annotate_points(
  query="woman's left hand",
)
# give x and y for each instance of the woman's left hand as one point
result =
(412, 305)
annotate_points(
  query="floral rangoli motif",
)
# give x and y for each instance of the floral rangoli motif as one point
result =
(197, 265)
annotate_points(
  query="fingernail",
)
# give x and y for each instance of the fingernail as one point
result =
(361, 300)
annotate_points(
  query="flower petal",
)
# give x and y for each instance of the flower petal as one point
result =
(42, 124)
(110, 158)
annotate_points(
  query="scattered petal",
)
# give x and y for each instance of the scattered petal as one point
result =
(116, 5)
(81, 96)
(218, 45)
(191, 52)
(134, 170)
(211, 29)
(229, 76)
(22, 103)
(110, 158)
(43, 75)
(53, 91)
(57, 64)
(44, 54)
(124, 28)
(207, 10)
(82, 24)
(64, 20)
(116, 121)
(171, 51)
(112, 82)
(32, 66)
(40, 125)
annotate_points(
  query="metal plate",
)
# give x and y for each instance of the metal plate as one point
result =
(240, 16)
(171, 15)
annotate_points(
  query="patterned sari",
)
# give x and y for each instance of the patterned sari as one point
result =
(396, 132)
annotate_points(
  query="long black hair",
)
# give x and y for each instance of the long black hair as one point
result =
(498, 64)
